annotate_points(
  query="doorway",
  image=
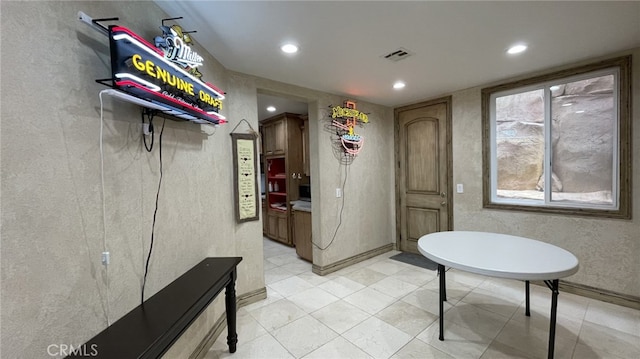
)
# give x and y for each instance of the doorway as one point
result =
(424, 173)
(285, 183)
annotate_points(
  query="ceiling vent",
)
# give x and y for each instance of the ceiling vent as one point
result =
(398, 54)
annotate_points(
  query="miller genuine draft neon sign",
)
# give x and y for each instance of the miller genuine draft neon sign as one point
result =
(166, 74)
(345, 119)
(175, 44)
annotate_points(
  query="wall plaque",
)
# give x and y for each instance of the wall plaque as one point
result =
(245, 185)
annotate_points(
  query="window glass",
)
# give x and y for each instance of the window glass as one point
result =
(520, 144)
(560, 142)
(583, 131)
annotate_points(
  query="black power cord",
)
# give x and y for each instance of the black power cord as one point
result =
(346, 172)
(153, 134)
(155, 212)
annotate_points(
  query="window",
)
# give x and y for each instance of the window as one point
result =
(560, 142)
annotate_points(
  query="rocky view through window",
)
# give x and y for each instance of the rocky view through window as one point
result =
(583, 142)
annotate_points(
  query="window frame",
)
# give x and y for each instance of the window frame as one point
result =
(622, 172)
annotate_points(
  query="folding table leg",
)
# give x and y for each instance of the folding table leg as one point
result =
(442, 299)
(526, 291)
(553, 285)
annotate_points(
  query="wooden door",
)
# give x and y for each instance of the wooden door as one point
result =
(423, 172)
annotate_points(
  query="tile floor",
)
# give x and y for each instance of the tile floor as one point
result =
(382, 308)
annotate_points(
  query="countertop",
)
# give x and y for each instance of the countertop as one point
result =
(304, 206)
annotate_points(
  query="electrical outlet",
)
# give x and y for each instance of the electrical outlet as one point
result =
(338, 192)
(145, 129)
(106, 258)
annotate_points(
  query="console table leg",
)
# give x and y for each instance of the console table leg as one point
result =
(553, 285)
(442, 299)
(230, 306)
(526, 291)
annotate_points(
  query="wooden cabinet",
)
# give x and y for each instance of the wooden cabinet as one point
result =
(283, 166)
(274, 137)
(302, 234)
(268, 139)
(305, 147)
(265, 222)
(272, 226)
(277, 226)
(283, 228)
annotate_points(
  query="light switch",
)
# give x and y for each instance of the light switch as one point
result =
(459, 188)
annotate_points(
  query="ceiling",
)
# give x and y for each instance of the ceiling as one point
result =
(453, 45)
(281, 104)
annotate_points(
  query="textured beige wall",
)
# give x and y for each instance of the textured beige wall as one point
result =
(368, 217)
(54, 288)
(608, 250)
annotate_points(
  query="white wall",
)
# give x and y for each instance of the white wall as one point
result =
(608, 249)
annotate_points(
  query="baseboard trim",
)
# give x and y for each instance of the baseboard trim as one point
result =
(220, 324)
(251, 297)
(206, 343)
(601, 294)
(596, 293)
(324, 270)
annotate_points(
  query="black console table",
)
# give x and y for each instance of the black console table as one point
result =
(150, 329)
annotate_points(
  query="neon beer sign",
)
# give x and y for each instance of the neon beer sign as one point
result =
(345, 119)
(175, 45)
(166, 75)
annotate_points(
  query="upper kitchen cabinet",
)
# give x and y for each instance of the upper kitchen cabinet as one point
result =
(275, 134)
(274, 131)
(306, 158)
(281, 135)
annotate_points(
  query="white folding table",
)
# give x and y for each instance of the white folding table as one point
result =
(502, 256)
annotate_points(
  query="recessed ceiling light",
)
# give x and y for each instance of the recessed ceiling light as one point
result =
(554, 88)
(567, 104)
(271, 109)
(398, 85)
(580, 111)
(289, 48)
(516, 49)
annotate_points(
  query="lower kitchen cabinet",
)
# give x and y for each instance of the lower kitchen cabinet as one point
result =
(302, 234)
(277, 226)
(265, 221)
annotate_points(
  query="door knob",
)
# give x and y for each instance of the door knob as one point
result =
(443, 194)
(443, 203)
